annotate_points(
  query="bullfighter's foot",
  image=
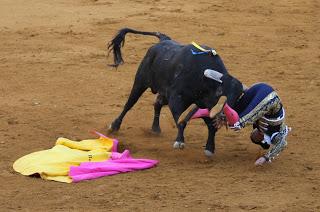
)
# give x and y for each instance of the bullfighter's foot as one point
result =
(178, 145)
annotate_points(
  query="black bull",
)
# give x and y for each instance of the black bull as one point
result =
(177, 76)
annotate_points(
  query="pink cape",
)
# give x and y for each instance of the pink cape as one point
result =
(117, 163)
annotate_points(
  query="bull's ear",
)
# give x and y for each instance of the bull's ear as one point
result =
(214, 75)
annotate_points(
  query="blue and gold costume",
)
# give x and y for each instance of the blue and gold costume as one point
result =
(261, 106)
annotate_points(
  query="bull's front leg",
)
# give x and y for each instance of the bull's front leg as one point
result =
(179, 142)
(177, 106)
(210, 145)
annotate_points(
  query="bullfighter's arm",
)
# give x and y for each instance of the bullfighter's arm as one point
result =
(279, 143)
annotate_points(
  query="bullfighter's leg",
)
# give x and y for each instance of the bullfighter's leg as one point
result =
(160, 101)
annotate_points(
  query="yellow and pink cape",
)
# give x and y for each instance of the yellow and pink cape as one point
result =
(54, 163)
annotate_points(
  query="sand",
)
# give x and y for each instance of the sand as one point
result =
(54, 81)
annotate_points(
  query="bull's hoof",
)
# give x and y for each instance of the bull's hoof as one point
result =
(156, 130)
(112, 129)
(114, 126)
(178, 145)
(208, 153)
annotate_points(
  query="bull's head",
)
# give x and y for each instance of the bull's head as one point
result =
(222, 85)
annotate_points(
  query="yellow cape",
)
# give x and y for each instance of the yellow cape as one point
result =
(54, 163)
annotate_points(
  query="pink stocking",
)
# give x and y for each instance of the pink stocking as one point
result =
(201, 113)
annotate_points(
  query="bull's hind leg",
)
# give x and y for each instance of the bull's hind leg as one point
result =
(210, 145)
(136, 91)
(160, 101)
(138, 88)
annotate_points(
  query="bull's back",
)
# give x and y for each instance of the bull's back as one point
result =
(169, 61)
(174, 66)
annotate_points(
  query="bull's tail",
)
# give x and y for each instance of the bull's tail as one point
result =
(115, 44)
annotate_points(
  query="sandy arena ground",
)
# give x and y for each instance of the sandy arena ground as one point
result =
(54, 81)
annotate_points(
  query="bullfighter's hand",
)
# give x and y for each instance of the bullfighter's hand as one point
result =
(260, 161)
(219, 120)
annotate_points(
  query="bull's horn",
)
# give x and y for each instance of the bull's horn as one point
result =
(212, 74)
(218, 107)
